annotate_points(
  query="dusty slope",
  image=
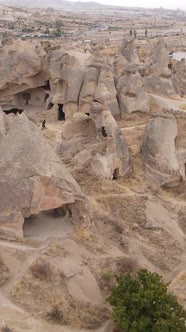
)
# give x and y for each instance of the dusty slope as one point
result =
(132, 225)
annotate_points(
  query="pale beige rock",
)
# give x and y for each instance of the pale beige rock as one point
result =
(21, 68)
(81, 124)
(159, 80)
(106, 92)
(33, 179)
(179, 77)
(68, 73)
(131, 94)
(160, 55)
(119, 64)
(163, 162)
(88, 89)
(177, 287)
(4, 123)
(161, 86)
(107, 154)
(129, 51)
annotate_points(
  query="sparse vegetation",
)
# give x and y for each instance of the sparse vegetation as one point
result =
(4, 272)
(56, 315)
(6, 329)
(106, 281)
(41, 270)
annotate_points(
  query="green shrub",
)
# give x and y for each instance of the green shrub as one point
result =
(142, 303)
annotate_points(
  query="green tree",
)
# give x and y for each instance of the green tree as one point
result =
(135, 34)
(47, 31)
(57, 33)
(59, 24)
(130, 32)
(146, 33)
(142, 303)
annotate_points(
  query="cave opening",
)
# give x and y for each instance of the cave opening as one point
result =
(130, 94)
(14, 111)
(103, 131)
(26, 97)
(115, 174)
(49, 106)
(46, 97)
(61, 114)
(46, 224)
(47, 86)
(88, 114)
(176, 142)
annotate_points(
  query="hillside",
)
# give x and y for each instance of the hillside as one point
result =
(65, 5)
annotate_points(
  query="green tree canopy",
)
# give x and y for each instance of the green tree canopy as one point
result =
(142, 303)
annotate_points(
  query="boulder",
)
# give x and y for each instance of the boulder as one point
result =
(177, 287)
(88, 89)
(129, 51)
(179, 77)
(160, 54)
(97, 145)
(33, 179)
(162, 159)
(68, 72)
(113, 161)
(106, 92)
(81, 124)
(131, 94)
(21, 68)
(159, 80)
(119, 64)
(4, 123)
(161, 86)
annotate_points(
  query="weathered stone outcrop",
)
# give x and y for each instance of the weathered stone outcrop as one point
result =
(177, 287)
(160, 79)
(114, 160)
(67, 77)
(131, 94)
(160, 55)
(21, 68)
(106, 92)
(78, 80)
(119, 64)
(81, 124)
(129, 51)
(164, 163)
(160, 86)
(4, 123)
(179, 77)
(33, 178)
(87, 93)
(101, 149)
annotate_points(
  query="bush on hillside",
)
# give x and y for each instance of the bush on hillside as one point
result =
(142, 303)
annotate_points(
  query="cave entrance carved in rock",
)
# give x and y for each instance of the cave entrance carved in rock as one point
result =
(47, 86)
(61, 114)
(103, 131)
(26, 97)
(46, 224)
(14, 111)
(115, 174)
(49, 106)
